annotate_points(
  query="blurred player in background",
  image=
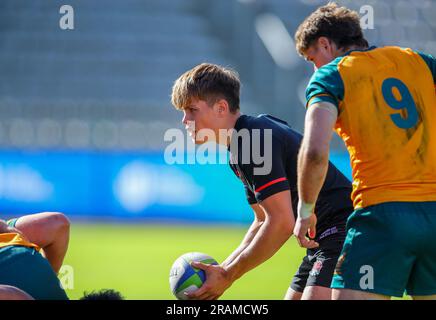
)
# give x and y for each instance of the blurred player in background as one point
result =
(208, 95)
(382, 103)
(32, 250)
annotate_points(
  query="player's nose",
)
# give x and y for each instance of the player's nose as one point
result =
(185, 119)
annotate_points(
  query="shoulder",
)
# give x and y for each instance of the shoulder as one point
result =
(328, 71)
(261, 121)
(266, 121)
(430, 61)
(327, 82)
(328, 75)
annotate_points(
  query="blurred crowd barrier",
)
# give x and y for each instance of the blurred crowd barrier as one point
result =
(123, 186)
(106, 83)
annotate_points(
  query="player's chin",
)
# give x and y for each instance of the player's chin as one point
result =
(199, 142)
(193, 136)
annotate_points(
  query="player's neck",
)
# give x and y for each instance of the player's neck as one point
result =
(230, 126)
(351, 48)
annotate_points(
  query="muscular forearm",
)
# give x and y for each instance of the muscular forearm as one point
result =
(312, 170)
(314, 152)
(249, 236)
(268, 240)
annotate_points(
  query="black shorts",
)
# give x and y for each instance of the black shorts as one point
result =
(319, 264)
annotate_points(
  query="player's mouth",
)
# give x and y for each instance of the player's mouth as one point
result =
(191, 130)
(192, 133)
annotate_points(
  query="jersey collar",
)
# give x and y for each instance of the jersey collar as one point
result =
(359, 50)
(240, 124)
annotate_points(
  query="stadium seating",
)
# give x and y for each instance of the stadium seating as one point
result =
(116, 66)
(113, 73)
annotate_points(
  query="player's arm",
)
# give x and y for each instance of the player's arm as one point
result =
(271, 235)
(259, 219)
(266, 184)
(50, 231)
(313, 160)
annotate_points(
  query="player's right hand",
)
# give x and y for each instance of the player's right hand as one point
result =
(217, 282)
(304, 227)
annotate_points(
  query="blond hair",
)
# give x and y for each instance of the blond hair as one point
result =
(208, 82)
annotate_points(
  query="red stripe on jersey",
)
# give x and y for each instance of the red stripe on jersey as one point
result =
(270, 184)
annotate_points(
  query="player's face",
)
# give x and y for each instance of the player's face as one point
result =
(200, 116)
(321, 52)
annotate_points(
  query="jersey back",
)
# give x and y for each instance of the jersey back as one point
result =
(386, 101)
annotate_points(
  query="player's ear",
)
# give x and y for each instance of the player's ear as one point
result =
(221, 107)
(327, 46)
(324, 43)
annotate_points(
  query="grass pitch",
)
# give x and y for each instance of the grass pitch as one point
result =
(136, 259)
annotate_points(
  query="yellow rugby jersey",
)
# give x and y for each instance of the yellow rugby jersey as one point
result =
(386, 104)
(15, 239)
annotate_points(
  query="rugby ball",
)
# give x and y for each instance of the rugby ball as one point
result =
(185, 278)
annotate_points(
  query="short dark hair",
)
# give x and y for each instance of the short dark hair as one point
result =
(208, 82)
(339, 24)
(104, 294)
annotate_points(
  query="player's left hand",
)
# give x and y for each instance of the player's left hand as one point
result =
(217, 281)
(303, 227)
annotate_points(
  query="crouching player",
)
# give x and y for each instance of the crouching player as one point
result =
(32, 250)
(208, 95)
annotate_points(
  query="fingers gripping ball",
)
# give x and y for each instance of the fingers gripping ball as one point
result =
(184, 277)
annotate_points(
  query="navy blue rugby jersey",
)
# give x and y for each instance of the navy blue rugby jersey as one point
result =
(262, 180)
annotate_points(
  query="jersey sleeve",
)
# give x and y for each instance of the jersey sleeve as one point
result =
(249, 194)
(325, 85)
(431, 63)
(275, 180)
(251, 198)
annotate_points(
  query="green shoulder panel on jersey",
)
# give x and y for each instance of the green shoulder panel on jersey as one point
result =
(326, 85)
(431, 63)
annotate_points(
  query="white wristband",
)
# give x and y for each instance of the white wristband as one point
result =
(305, 210)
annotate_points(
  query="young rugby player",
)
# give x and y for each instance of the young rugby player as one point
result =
(208, 95)
(382, 103)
